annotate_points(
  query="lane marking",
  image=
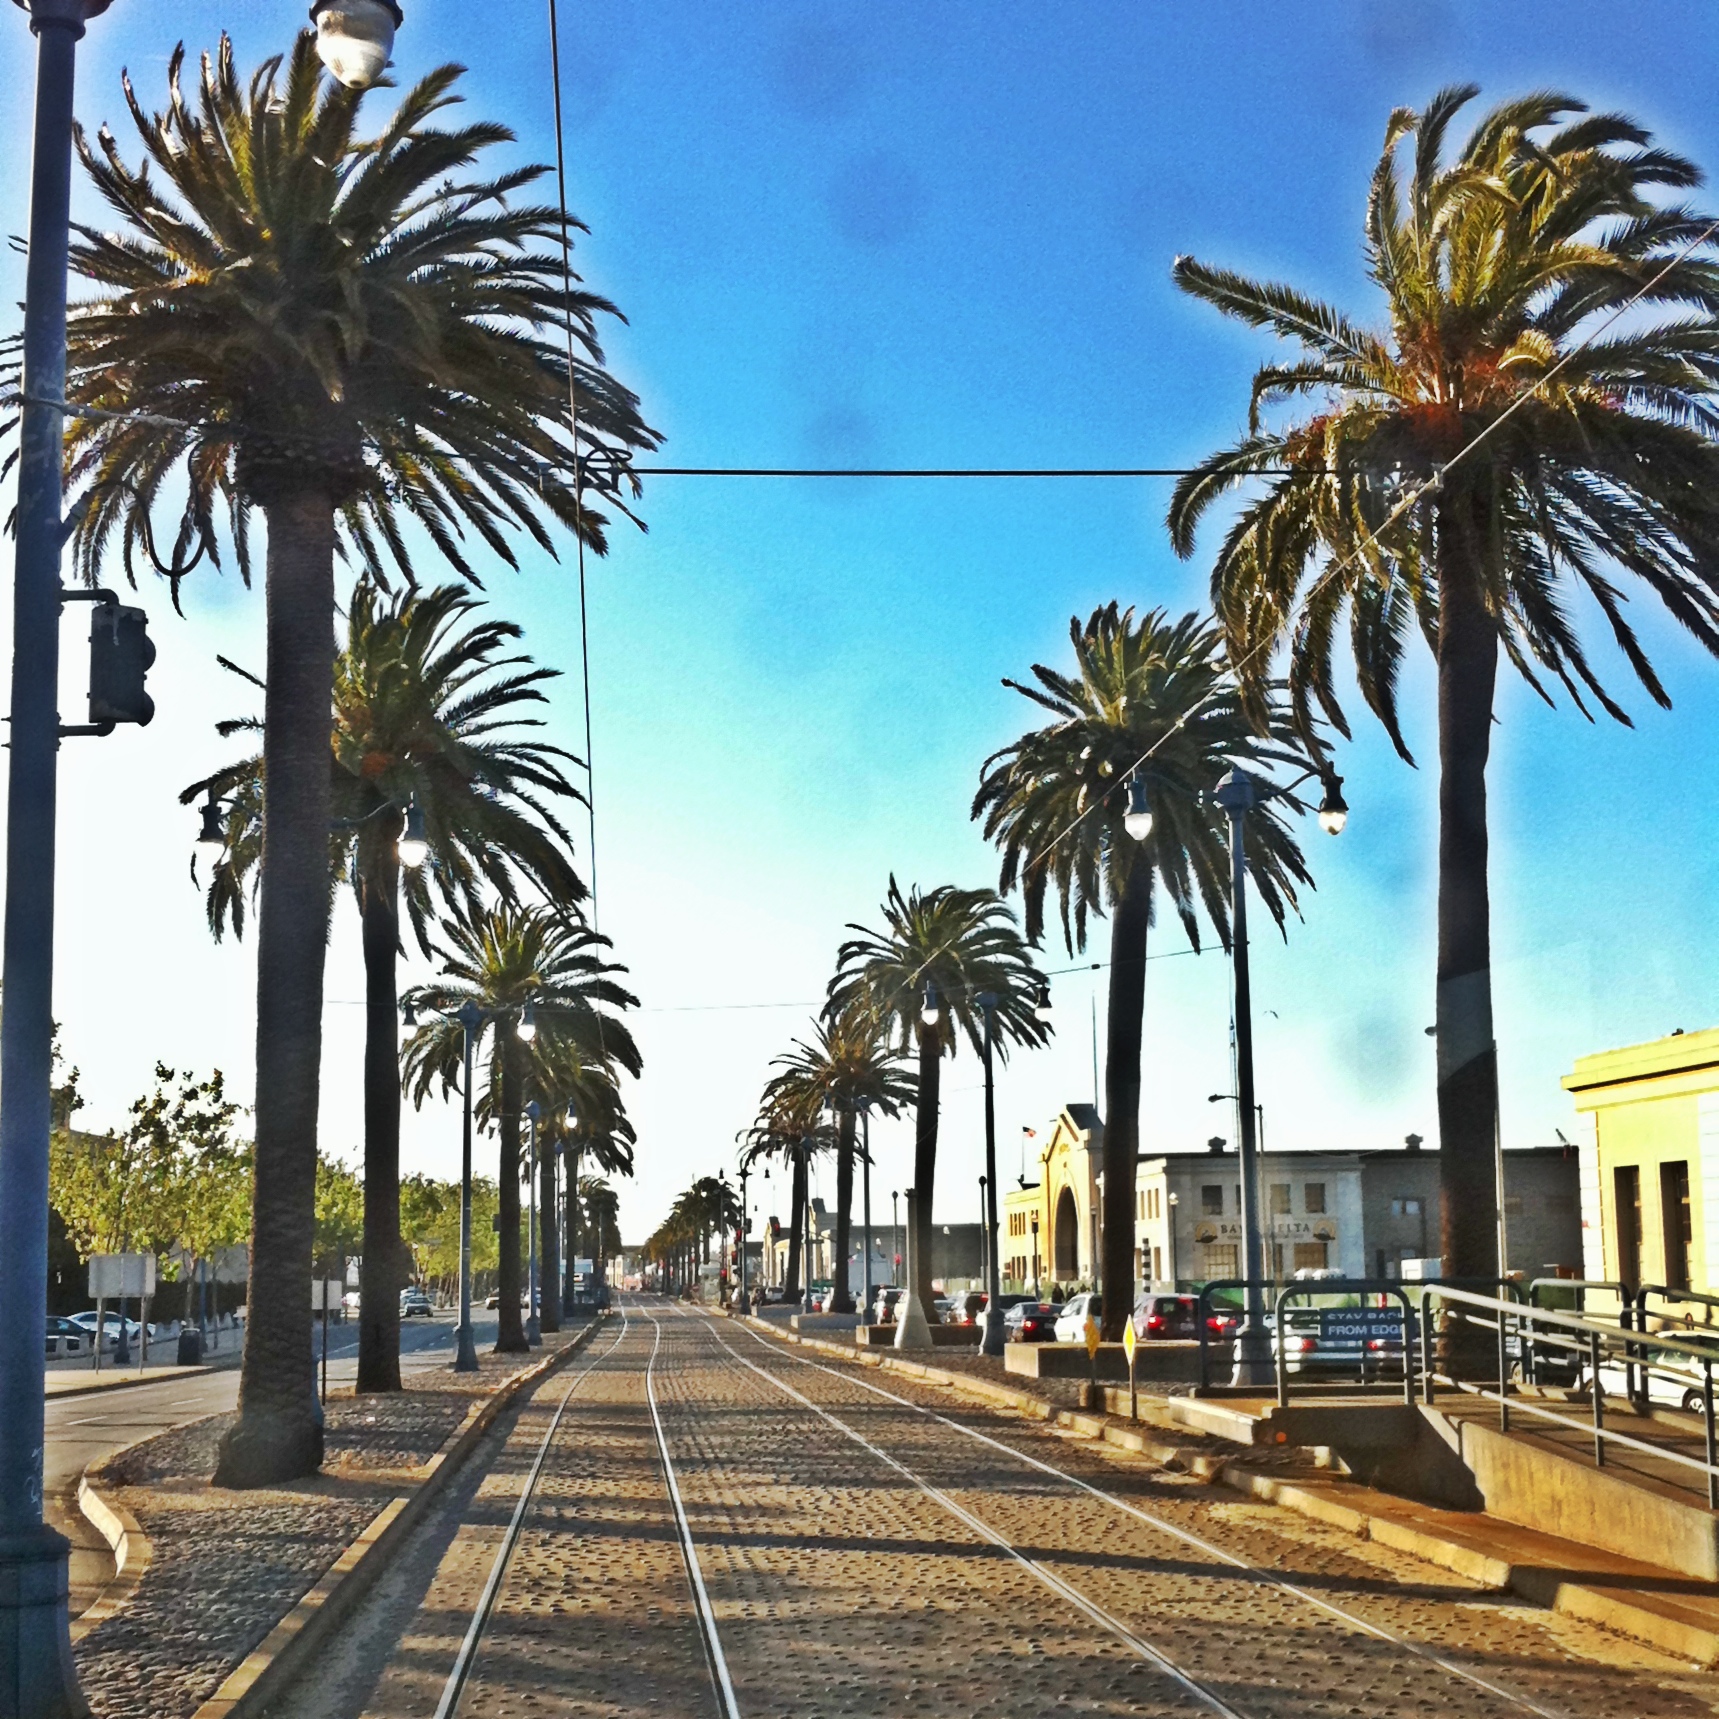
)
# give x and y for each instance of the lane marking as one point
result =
(1377, 1631)
(1063, 1590)
(455, 1686)
(713, 1653)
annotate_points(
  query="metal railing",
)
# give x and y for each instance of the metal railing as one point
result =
(1525, 1333)
(1345, 1286)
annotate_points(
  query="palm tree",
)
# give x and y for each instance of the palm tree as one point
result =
(348, 334)
(513, 959)
(601, 1206)
(1056, 802)
(848, 1067)
(945, 947)
(1500, 451)
(788, 1128)
(585, 1117)
(426, 713)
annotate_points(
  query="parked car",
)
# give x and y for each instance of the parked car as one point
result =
(820, 1296)
(967, 1309)
(939, 1310)
(1309, 1347)
(110, 1328)
(1031, 1322)
(883, 1307)
(1071, 1322)
(349, 1303)
(414, 1303)
(1166, 1318)
(66, 1338)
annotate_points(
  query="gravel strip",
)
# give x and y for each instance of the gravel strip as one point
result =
(228, 1566)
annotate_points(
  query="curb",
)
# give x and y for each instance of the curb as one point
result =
(133, 1381)
(132, 1556)
(279, 1656)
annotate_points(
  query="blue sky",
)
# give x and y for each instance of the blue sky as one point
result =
(898, 234)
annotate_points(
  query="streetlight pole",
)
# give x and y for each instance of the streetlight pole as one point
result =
(471, 1019)
(895, 1248)
(865, 1175)
(992, 1342)
(533, 1324)
(743, 1304)
(37, 1680)
(1035, 1256)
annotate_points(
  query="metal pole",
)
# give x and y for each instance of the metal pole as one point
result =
(465, 1348)
(992, 1342)
(865, 1174)
(533, 1324)
(37, 1680)
(895, 1244)
(1253, 1363)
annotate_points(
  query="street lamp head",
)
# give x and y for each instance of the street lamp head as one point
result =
(355, 37)
(1137, 820)
(409, 1012)
(1235, 793)
(534, 1110)
(1042, 1008)
(527, 1028)
(928, 1010)
(414, 844)
(1333, 810)
(211, 835)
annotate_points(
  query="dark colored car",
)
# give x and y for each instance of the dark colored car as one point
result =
(1167, 1318)
(1031, 1322)
(968, 1309)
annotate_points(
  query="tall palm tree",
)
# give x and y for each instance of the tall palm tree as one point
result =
(1501, 450)
(601, 1206)
(1056, 802)
(789, 1129)
(514, 958)
(946, 946)
(583, 1116)
(349, 334)
(849, 1066)
(426, 713)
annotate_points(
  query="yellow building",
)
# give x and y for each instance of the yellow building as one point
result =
(1050, 1226)
(1650, 1161)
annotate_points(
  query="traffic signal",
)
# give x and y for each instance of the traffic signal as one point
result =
(121, 652)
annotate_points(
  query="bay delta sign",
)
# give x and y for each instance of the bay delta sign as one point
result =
(1282, 1229)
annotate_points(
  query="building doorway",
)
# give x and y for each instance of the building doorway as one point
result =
(1066, 1246)
(1675, 1225)
(1626, 1189)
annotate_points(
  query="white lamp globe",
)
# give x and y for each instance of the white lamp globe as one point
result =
(355, 37)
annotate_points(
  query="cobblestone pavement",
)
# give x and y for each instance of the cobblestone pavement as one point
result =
(863, 1554)
(227, 1566)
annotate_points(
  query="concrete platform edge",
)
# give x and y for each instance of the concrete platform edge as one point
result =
(132, 1555)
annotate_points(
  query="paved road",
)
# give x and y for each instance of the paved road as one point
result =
(694, 1520)
(85, 1429)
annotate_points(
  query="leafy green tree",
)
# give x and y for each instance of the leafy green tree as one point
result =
(514, 958)
(848, 1066)
(946, 947)
(1498, 456)
(428, 711)
(1056, 802)
(339, 1215)
(351, 335)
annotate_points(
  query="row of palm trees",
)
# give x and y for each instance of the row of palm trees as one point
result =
(1536, 426)
(706, 1212)
(377, 349)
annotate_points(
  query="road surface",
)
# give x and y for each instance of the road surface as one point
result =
(694, 1519)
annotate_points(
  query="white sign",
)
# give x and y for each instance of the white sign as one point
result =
(325, 1296)
(583, 1267)
(233, 1264)
(113, 1275)
(352, 1274)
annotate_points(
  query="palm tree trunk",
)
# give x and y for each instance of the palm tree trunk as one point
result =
(1467, 1056)
(925, 1159)
(278, 1433)
(843, 1299)
(548, 1240)
(1127, 1011)
(570, 1219)
(382, 1274)
(509, 1327)
(796, 1230)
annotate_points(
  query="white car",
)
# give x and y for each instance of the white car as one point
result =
(1071, 1322)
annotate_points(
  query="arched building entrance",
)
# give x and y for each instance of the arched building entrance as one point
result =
(1066, 1257)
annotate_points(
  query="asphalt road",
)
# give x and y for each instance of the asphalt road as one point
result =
(694, 1519)
(85, 1429)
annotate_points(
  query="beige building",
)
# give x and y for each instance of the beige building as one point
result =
(1050, 1226)
(1649, 1149)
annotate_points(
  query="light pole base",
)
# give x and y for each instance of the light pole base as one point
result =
(37, 1678)
(911, 1329)
(465, 1351)
(1255, 1364)
(994, 1340)
(534, 1332)
(742, 1304)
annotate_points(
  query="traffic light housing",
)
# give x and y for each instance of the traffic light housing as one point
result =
(121, 652)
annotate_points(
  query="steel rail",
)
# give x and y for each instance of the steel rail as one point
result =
(454, 1688)
(1185, 1536)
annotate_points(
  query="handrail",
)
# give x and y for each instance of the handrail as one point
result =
(1346, 1286)
(1572, 1331)
(1203, 1312)
(1580, 1284)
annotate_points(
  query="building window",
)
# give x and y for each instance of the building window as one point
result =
(1626, 1186)
(1220, 1261)
(1675, 1222)
(1310, 1256)
(1212, 1199)
(1313, 1197)
(1157, 1265)
(1405, 1208)
(1280, 1206)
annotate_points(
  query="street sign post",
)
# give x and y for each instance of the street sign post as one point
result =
(1130, 1344)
